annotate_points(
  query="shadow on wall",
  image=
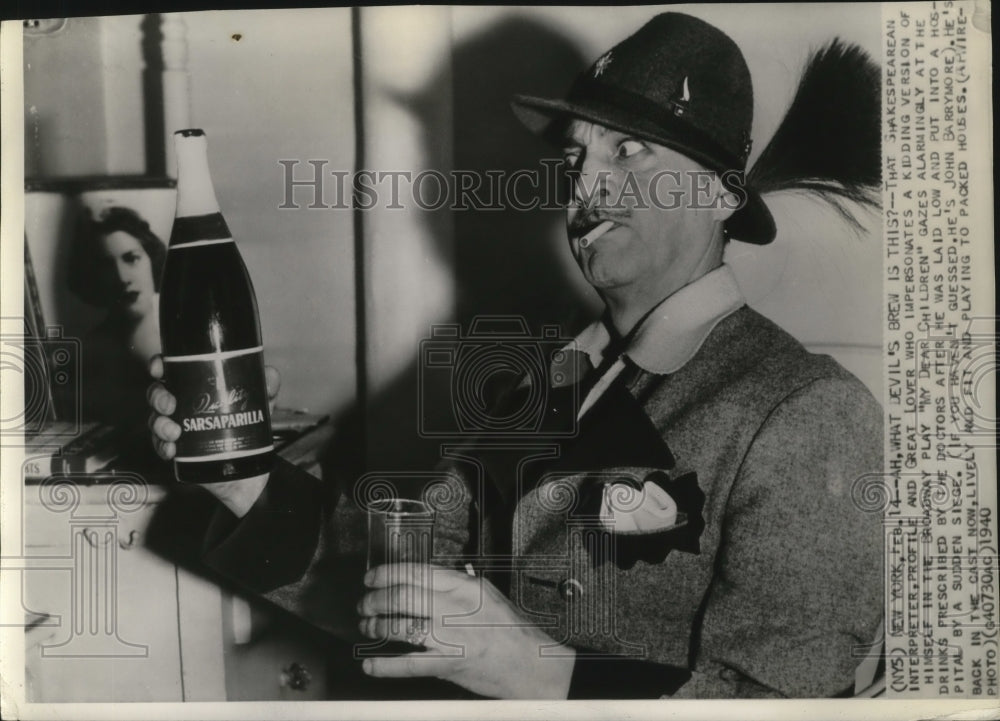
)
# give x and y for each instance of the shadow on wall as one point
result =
(508, 262)
(505, 261)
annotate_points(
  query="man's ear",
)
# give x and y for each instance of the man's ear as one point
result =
(725, 202)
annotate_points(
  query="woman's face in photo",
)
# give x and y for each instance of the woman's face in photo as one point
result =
(127, 273)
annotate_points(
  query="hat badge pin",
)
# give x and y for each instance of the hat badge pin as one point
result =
(680, 102)
(602, 64)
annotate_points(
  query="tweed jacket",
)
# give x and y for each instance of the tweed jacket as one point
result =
(764, 590)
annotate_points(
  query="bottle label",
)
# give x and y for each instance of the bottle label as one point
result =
(196, 230)
(221, 405)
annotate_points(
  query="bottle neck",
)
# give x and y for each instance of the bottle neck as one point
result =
(195, 194)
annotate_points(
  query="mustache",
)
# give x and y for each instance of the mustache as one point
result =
(593, 217)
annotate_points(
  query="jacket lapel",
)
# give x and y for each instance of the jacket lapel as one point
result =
(615, 432)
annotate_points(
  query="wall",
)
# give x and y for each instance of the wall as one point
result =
(409, 278)
(63, 101)
(283, 91)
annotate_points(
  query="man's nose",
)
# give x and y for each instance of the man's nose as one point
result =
(593, 182)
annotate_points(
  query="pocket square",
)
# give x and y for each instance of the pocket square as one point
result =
(625, 509)
(645, 520)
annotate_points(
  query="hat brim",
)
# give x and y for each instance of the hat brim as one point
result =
(751, 223)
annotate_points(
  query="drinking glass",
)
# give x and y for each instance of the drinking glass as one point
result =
(399, 530)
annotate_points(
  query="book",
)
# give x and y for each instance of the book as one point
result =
(290, 422)
(48, 453)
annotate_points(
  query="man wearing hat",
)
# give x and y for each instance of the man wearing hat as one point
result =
(697, 537)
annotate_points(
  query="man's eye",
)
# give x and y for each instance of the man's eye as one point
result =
(571, 158)
(628, 148)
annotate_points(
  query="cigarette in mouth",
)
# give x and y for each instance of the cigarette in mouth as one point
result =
(596, 233)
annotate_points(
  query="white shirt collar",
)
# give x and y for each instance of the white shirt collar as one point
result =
(674, 331)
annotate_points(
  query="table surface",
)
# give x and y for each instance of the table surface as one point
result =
(341, 577)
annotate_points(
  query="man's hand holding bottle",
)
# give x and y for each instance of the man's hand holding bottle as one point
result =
(238, 496)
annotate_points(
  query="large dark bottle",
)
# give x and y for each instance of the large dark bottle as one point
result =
(210, 331)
